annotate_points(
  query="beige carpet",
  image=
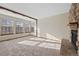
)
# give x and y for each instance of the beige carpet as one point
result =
(29, 46)
(35, 47)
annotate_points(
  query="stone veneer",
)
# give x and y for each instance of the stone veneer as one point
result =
(74, 17)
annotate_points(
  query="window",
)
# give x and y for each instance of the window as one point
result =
(27, 27)
(19, 27)
(31, 27)
(6, 26)
(9, 24)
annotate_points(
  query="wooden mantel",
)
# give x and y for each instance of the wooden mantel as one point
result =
(73, 23)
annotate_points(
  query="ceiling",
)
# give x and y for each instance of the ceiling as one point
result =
(38, 10)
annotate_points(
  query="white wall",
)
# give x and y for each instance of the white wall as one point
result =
(55, 26)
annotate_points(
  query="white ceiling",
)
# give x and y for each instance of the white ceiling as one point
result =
(38, 10)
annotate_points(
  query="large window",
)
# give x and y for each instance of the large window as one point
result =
(31, 26)
(26, 28)
(6, 26)
(26, 25)
(10, 25)
(19, 27)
